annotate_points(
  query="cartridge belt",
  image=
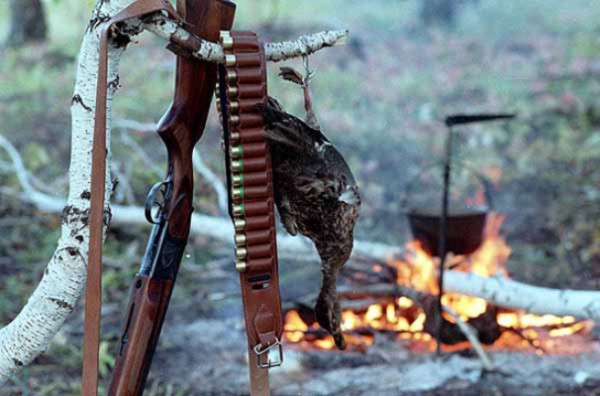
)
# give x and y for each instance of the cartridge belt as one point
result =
(242, 86)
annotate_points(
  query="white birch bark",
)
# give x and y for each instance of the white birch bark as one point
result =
(507, 293)
(29, 334)
(500, 291)
(274, 52)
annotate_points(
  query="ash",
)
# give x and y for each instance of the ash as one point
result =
(218, 367)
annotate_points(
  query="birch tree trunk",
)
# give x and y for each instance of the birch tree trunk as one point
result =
(30, 332)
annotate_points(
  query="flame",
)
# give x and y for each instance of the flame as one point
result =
(294, 327)
(418, 270)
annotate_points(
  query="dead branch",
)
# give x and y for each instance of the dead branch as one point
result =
(471, 333)
(199, 165)
(219, 228)
(213, 180)
(125, 191)
(23, 176)
(141, 154)
(499, 291)
(134, 125)
(508, 293)
(212, 52)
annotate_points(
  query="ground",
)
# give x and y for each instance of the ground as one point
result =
(380, 99)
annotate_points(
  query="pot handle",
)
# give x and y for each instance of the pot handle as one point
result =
(488, 186)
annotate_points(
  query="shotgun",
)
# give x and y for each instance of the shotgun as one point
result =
(169, 203)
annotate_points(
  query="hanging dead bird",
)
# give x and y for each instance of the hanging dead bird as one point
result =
(315, 193)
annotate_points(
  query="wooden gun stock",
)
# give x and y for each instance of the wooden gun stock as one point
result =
(180, 129)
(148, 303)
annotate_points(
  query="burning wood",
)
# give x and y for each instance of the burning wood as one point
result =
(403, 290)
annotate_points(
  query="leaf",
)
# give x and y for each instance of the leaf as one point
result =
(105, 359)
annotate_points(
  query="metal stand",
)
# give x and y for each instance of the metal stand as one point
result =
(458, 119)
(442, 240)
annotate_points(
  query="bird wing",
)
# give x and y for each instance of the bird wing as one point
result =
(289, 130)
(324, 173)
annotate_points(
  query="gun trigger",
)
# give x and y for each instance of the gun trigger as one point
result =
(177, 50)
(186, 25)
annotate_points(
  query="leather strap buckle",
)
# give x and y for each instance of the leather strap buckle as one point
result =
(274, 350)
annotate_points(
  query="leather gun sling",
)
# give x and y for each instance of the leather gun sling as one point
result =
(93, 295)
(243, 85)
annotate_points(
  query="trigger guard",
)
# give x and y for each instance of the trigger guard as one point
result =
(150, 201)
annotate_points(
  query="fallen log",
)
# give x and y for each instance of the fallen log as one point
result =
(502, 292)
(507, 293)
(498, 290)
(219, 228)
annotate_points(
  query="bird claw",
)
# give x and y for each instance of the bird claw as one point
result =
(290, 226)
(292, 75)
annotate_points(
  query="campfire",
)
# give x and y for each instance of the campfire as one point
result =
(375, 304)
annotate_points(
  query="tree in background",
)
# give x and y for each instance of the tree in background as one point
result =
(438, 12)
(442, 12)
(27, 22)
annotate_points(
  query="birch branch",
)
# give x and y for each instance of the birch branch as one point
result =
(500, 291)
(508, 293)
(218, 228)
(213, 52)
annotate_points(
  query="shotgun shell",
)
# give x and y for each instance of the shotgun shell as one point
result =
(241, 253)
(234, 120)
(232, 91)
(226, 40)
(234, 107)
(231, 76)
(238, 180)
(235, 136)
(237, 166)
(239, 210)
(230, 60)
(240, 266)
(240, 224)
(240, 239)
(236, 152)
(238, 193)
